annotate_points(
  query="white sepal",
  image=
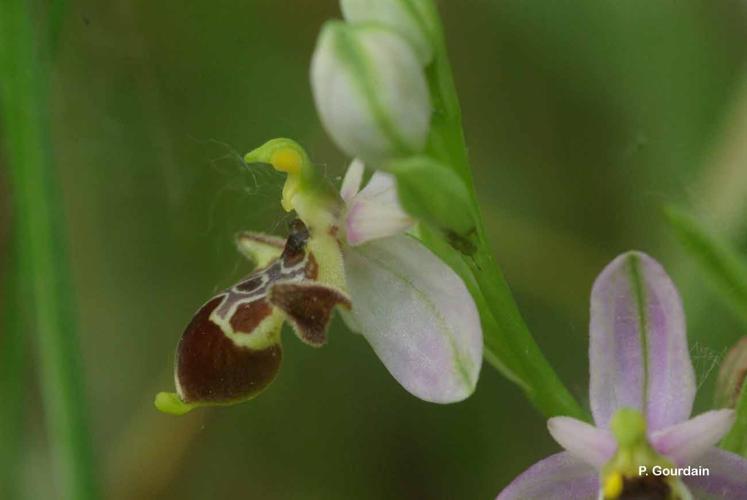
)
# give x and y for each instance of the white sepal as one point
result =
(411, 18)
(370, 91)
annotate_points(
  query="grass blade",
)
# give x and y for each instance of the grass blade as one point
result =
(12, 381)
(725, 268)
(42, 251)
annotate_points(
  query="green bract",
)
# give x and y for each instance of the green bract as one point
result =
(435, 194)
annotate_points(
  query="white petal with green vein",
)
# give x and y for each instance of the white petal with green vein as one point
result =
(417, 315)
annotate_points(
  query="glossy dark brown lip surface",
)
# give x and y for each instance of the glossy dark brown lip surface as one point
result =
(212, 368)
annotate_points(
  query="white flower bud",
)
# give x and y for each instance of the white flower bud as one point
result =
(370, 91)
(413, 19)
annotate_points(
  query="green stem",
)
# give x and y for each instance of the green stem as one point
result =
(512, 340)
(42, 255)
(509, 345)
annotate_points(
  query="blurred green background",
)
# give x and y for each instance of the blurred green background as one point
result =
(583, 118)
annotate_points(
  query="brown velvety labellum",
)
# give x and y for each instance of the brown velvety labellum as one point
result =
(309, 306)
(212, 369)
(249, 315)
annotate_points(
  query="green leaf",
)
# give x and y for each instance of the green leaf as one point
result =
(725, 268)
(42, 249)
(435, 194)
(736, 440)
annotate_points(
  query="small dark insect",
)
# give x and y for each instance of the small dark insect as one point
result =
(464, 244)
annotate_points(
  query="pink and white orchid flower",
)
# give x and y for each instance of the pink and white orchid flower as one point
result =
(411, 307)
(639, 360)
(349, 250)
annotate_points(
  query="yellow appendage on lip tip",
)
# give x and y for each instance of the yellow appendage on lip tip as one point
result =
(613, 486)
(171, 403)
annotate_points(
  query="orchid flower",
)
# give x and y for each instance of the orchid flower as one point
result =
(349, 250)
(642, 387)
